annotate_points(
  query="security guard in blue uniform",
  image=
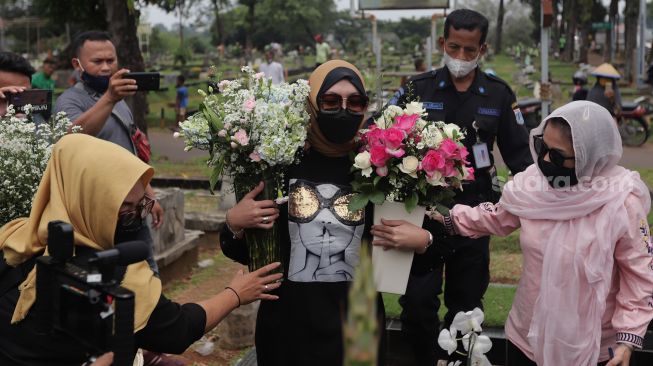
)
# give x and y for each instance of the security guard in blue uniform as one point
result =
(485, 107)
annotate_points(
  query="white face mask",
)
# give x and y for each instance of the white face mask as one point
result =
(459, 68)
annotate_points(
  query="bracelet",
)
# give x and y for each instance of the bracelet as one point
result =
(448, 225)
(237, 234)
(235, 293)
(430, 242)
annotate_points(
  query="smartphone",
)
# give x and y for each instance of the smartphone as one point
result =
(145, 80)
(40, 99)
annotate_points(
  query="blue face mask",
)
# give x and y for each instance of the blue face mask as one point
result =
(98, 83)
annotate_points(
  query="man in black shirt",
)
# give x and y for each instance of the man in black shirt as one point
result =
(485, 106)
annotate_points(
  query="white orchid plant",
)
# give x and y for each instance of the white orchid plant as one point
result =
(25, 148)
(251, 128)
(406, 158)
(476, 345)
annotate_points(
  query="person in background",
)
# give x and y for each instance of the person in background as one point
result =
(420, 67)
(271, 68)
(587, 283)
(15, 77)
(322, 50)
(43, 79)
(181, 100)
(485, 106)
(605, 91)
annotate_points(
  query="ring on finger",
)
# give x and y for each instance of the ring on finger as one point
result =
(265, 287)
(265, 219)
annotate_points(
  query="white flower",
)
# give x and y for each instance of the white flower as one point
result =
(414, 108)
(451, 130)
(222, 133)
(436, 179)
(380, 122)
(176, 135)
(409, 165)
(281, 200)
(481, 344)
(457, 363)
(447, 340)
(469, 321)
(362, 162)
(392, 111)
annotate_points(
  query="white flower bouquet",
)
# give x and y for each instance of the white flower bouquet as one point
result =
(253, 131)
(25, 149)
(476, 345)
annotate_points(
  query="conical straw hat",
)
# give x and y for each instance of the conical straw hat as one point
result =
(607, 71)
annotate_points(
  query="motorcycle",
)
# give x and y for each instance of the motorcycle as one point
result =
(632, 121)
(531, 110)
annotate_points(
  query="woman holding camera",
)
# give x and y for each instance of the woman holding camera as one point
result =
(80, 186)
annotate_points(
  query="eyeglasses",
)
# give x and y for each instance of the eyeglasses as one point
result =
(143, 208)
(556, 157)
(332, 103)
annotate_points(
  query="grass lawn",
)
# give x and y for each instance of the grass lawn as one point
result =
(497, 303)
(195, 168)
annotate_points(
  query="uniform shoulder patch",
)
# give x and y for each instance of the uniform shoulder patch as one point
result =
(518, 116)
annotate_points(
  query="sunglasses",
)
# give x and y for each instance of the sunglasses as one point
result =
(144, 207)
(306, 203)
(332, 103)
(556, 157)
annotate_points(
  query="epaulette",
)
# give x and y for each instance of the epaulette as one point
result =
(424, 75)
(498, 79)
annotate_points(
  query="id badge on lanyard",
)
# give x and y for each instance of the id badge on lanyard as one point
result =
(480, 151)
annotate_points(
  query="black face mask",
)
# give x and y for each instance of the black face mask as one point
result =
(126, 233)
(558, 177)
(98, 83)
(339, 127)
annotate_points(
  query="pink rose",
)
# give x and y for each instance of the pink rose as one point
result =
(432, 161)
(241, 137)
(393, 138)
(378, 156)
(469, 173)
(449, 149)
(255, 156)
(406, 122)
(374, 137)
(463, 153)
(449, 169)
(249, 105)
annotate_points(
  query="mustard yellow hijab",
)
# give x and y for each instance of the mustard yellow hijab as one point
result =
(84, 184)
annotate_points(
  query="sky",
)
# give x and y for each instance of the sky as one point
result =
(155, 15)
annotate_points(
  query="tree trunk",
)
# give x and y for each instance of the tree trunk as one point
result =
(497, 46)
(251, 7)
(612, 15)
(555, 28)
(571, 30)
(221, 37)
(122, 25)
(584, 41)
(630, 42)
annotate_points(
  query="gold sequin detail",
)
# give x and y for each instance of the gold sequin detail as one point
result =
(302, 202)
(340, 206)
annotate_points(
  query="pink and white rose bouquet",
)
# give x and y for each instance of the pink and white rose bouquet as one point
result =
(406, 158)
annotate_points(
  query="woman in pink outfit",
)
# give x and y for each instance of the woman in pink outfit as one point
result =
(587, 283)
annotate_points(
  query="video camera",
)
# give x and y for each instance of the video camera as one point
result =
(81, 296)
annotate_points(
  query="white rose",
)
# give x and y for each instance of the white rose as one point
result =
(392, 111)
(409, 166)
(362, 162)
(436, 179)
(450, 128)
(421, 124)
(380, 122)
(414, 108)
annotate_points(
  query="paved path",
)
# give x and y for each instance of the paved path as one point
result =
(165, 145)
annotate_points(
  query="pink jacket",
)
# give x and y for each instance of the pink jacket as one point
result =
(629, 304)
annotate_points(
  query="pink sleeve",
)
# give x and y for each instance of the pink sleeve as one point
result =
(483, 220)
(634, 259)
